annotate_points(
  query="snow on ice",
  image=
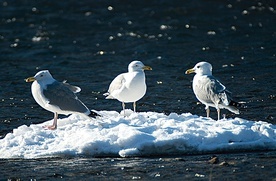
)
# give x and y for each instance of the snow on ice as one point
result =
(138, 134)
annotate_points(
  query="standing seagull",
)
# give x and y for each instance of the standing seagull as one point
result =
(210, 91)
(57, 97)
(130, 86)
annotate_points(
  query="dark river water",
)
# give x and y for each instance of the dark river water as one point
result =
(89, 42)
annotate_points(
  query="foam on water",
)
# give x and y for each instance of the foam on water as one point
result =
(138, 134)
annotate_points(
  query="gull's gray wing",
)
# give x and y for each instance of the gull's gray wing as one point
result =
(73, 88)
(221, 94)
(58, 94)
(209, 90)
(215, 85)
(116, 84)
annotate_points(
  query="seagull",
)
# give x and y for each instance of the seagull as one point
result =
(129, 87)
(57, 97)
(209, 91)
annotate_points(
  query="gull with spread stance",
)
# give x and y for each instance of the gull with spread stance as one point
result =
(209, 91)
(57, 97)
(130, 86)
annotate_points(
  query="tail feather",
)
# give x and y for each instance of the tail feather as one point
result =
(108, 96)
(228, 103)
(233, 107)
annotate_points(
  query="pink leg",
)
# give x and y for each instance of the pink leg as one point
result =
(123, 104)
(218, 110)
(208, 112)
(54, 126)
(134, 106)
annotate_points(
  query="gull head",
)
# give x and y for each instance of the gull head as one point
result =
(43, 75)
(201, 68)
(137, 66)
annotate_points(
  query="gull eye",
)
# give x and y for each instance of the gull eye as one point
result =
(41, 75)
(198, 67)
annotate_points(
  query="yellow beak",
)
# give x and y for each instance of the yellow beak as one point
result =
(30, 79)
(147, 68)
(189, 71)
